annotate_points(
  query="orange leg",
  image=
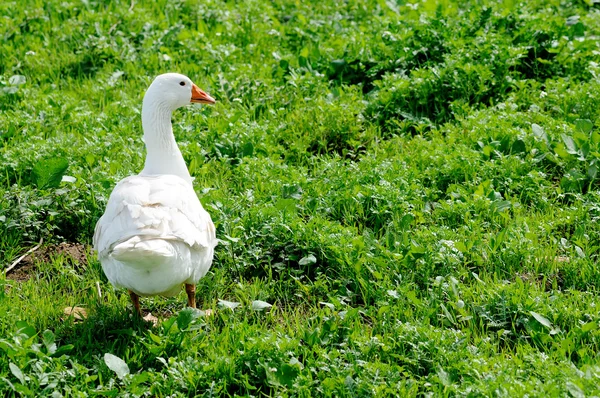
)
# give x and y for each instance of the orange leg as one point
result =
(191, 293)
(136, 302)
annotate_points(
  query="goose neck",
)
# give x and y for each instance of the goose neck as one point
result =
(162, 153)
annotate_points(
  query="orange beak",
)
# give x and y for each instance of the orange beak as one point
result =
(200, 97)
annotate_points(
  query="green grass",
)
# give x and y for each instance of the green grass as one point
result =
(414, 187)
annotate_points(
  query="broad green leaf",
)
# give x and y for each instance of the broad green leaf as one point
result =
(228, 304)
(416, 250)
(186, 317)
(286, 205)
(596, 136)
(501, 205)
(587, 327)
(460, 246)
(292, 191)
(49, 341)
(248, 149)
(302, 61)
(575, 390)
(518, 147)
(570, 144)
(259, 305)
(541, 319)
(25, 328)
(406, 221)
(561, 151)
(488, 150)
(90, 159)
(349, 382)
(63, 350)
(447, 313)
(592, 171)
(234, 240)
(285, 374)
(412, 296)
(16, 371)
(116, 364)
(155, 337)
(584, 125)
(384, 309)
(48, 173)
(443, 376)
(23, 391)
(310, 259)
(539, 132)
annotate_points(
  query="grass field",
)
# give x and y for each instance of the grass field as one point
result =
(412, 186)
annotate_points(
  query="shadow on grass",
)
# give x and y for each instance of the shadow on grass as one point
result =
(111, 329)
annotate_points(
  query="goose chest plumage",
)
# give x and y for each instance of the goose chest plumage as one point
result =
(155, 236)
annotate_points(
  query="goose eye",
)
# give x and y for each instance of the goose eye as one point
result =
(182, 83)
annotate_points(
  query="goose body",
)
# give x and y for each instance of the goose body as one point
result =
(155, 236)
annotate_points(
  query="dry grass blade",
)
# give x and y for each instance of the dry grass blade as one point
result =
(98, 290)
(151, 318)
(18, 260)
(78, 313)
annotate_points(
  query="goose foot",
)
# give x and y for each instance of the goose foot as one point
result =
(191, 293)
(135, 299)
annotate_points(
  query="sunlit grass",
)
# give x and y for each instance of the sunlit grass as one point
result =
(413, 187)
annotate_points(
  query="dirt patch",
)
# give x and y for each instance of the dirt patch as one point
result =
(75, 253)
(22, 272)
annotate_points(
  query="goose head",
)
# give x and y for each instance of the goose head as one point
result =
(173, 90)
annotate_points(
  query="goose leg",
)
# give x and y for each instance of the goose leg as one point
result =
(191, 293)
(136, 302)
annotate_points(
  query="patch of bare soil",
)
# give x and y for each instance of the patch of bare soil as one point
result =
(75, 253)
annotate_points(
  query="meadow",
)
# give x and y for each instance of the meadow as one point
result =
(406, 197)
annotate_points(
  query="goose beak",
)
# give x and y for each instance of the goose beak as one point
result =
(200, 97)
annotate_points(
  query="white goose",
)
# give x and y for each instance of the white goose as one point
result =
(155, 236)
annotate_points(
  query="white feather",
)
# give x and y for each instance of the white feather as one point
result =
(154, 236)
